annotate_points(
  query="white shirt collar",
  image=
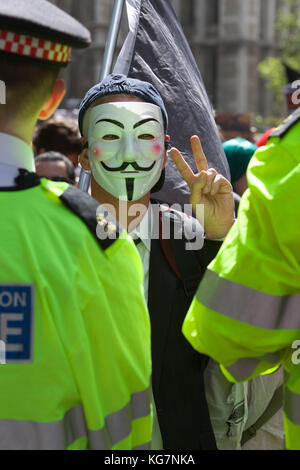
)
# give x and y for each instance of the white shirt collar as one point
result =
(144, 229)
(14, 154)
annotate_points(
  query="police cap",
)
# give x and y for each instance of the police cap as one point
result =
(37, 29)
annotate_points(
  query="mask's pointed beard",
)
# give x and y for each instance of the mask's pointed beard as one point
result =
(129, 188)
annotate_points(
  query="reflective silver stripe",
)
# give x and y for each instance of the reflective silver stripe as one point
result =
(141, 404)
(244, 368)
(291, 406)
(74, 425)
(249, 305)
(99, 440)
(28, 435)
(59, 435)
(146, 446)
(118, 424)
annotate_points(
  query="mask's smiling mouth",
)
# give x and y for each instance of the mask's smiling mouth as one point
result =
(125, 165)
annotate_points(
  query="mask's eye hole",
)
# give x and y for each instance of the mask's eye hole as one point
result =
(110, 137)
(146, 137)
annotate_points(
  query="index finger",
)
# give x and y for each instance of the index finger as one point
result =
(199, 156)
(182, 166)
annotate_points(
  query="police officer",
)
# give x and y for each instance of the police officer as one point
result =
(74, 336)
(246, 311)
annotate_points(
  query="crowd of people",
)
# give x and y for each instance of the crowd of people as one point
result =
(119, 332)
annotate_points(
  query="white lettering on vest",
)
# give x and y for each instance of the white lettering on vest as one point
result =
(8, 299)
(5, 330)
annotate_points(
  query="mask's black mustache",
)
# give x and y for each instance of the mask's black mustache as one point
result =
(125, 165)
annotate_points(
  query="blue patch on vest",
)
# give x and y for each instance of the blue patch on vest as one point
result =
(16, 321)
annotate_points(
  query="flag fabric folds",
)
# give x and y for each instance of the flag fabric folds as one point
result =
(156, 50)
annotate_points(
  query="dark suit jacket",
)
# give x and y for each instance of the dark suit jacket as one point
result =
(178, 370)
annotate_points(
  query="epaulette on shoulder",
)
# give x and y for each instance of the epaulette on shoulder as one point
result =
(102, 225)
(286, 124)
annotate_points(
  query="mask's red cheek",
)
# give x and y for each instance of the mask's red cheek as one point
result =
(96, 152)
(156, 148)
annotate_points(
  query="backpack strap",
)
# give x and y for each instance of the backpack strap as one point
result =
(188, 265)
(274, 406)
(182, 261)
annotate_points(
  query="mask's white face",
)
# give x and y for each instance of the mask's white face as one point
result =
(126, 148)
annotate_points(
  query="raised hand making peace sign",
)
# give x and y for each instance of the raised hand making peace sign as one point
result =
(209, 188)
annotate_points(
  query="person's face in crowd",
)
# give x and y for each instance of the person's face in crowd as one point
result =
(73, 157)
(52, 169)
(126, 146)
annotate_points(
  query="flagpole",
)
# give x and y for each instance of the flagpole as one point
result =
(112, 38)
(85, 176)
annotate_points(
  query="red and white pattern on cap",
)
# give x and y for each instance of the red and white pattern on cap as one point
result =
(35, 48)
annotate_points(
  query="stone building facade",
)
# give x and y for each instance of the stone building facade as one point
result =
(228, 38)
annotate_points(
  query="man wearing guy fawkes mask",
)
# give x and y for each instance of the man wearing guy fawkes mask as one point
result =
(124, 122)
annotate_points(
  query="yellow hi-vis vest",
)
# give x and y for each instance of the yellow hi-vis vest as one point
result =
(75, 328)
(246, 313)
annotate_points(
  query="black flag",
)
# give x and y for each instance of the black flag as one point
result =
(157, 51)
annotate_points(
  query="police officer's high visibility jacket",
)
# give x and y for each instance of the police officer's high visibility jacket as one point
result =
(246, 313)
(74, 326)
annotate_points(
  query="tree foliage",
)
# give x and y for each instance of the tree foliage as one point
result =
(271, 69)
